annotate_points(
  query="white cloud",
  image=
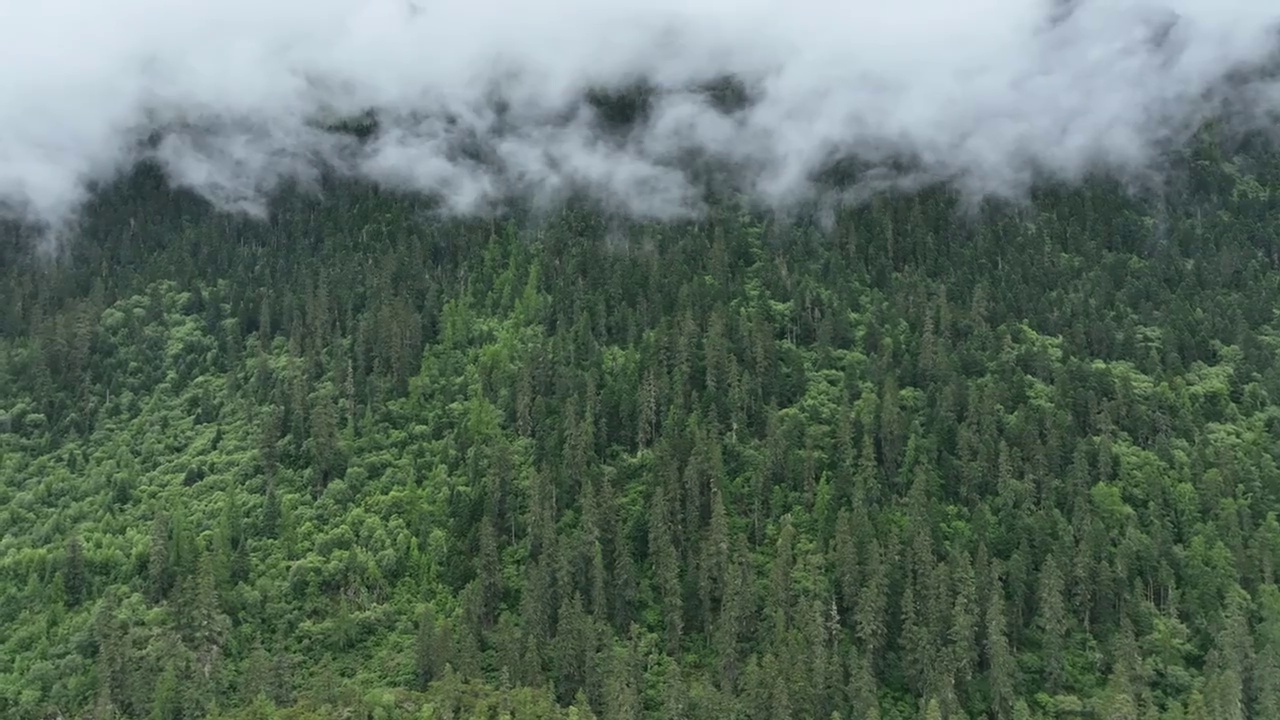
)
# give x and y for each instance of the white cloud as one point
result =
(983, 92)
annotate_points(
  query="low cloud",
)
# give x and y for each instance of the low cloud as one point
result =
(475, 102)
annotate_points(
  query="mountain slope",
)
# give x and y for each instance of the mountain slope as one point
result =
(1019, 464)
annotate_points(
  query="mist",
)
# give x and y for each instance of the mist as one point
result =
(477, 102)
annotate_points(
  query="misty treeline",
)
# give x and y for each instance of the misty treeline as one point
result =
(924, 462)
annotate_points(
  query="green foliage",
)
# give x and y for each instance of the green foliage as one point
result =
(922, 463)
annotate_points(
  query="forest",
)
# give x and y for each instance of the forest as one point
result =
(916, 459)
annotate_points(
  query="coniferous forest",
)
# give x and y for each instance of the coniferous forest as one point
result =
(916, 460)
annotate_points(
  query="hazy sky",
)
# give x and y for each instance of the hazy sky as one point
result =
(982, 92)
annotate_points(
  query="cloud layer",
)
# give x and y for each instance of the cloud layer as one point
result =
(479, 100)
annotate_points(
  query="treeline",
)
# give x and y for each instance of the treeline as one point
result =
(923, 461)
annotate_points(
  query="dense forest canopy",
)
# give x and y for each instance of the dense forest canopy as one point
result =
(911, 459)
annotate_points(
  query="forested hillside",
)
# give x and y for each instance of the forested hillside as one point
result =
(925, 461)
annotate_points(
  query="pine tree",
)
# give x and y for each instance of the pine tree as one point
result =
(573, 648)
(1051, 620)
(489, 569)
(113, 663)
(665, 563)
(167, 703)
(869, 620)
(625, 582)
(1230, 661)
(999, 656)
(209, 627)
(863, 693)
(780, 602)
(675, 695)
(1267, 668)
(159, 570)
(432, 650)
(716, 545)
(103, 707)
(271, 512)
(74, 577)
(735, 612)
(915, 641)
(844, 553)
(622, 696)
(962, 636)
(892, 429)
